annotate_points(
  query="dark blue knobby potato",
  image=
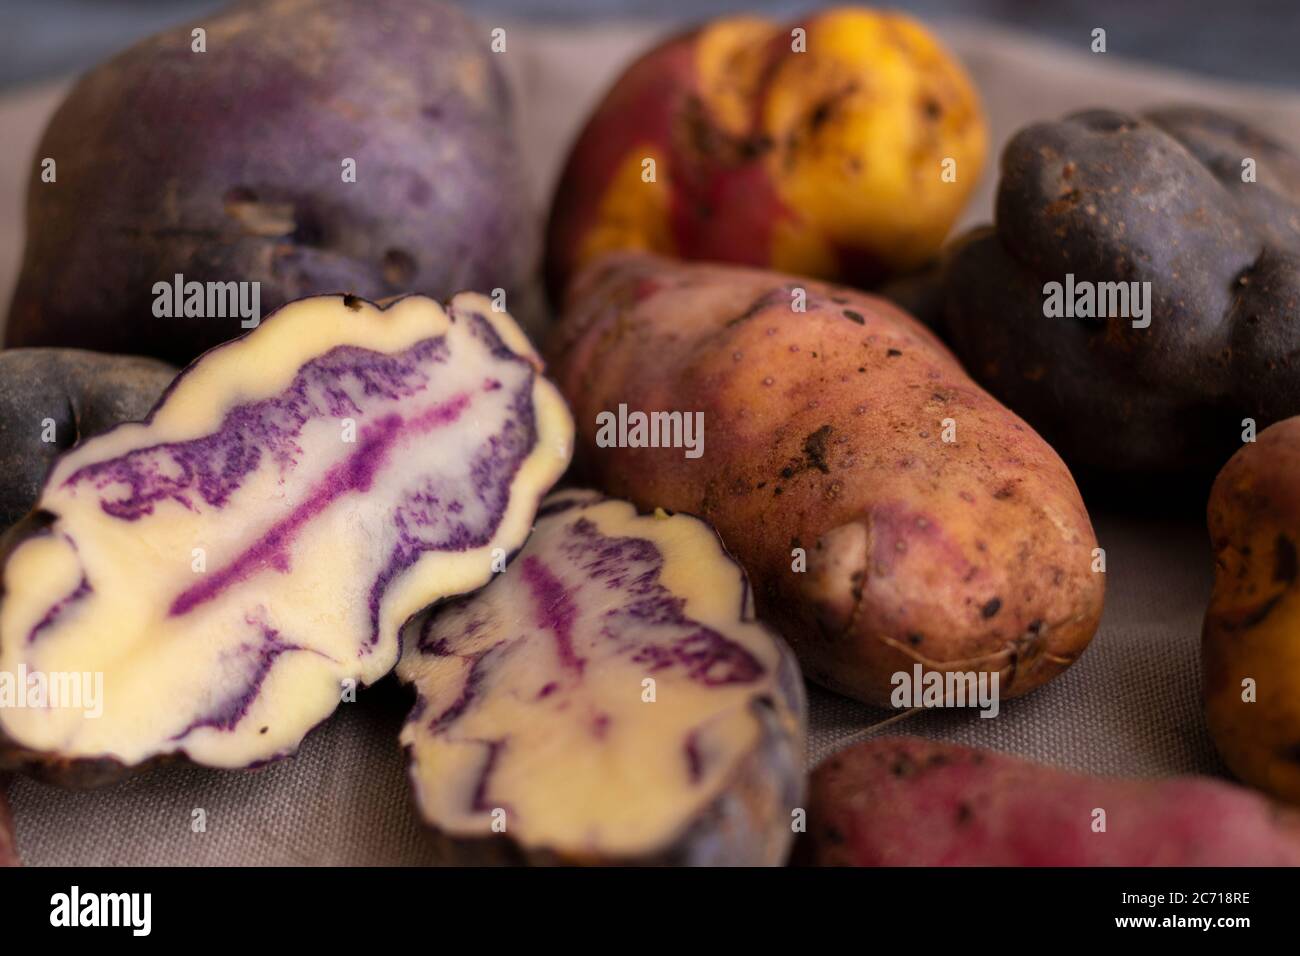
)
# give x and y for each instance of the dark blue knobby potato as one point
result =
(227, 166)
(609, 698)
(1158, 198)
(50, 399)
(215, 577)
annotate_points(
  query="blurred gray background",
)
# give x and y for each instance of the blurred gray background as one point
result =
(1253, 41)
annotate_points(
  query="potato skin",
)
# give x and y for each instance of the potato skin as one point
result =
(908, 801)
(227, 166)
(1158, 198)
(825, 162)
(823, 433)
(1252, 626)
(8, 849)
(83, 393)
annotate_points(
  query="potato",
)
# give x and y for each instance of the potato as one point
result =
(817, 147)
(873, 542)
(52, 398)
(1251, 642)
(609, 699)
(212, 581)
(8, 846)
(908, 801)
(234, 165)
(1102, 199)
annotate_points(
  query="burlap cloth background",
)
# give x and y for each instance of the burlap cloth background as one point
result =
(1130, 706)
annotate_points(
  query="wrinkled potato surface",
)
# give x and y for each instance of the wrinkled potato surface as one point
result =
(1193, 256)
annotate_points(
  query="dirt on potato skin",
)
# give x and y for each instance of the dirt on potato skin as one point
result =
(825, 432)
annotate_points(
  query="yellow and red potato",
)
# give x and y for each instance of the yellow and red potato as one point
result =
(840, 146)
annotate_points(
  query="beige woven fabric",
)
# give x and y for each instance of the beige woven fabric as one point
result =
(1130, 706)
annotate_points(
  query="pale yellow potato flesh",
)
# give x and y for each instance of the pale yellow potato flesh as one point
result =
(535, 719)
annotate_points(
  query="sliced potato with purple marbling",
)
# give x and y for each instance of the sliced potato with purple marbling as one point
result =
(231, 566)
(610, 698)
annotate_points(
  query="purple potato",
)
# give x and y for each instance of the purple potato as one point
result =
(213, 580)
(228, 166)
(608, 699)
(65, 396)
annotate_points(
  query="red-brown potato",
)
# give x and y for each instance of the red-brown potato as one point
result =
(906, 801)
(888, 511)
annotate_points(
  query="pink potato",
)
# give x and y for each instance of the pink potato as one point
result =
(907, 801)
